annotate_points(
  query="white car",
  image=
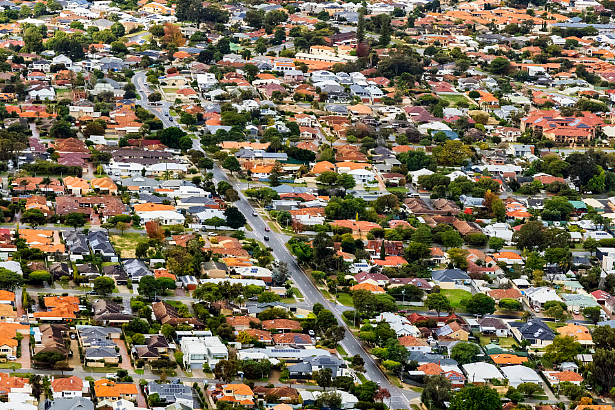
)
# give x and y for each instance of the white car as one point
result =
(11, 357)
(537, 309)
(111, 375)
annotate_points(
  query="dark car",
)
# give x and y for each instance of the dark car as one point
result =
(266, 238)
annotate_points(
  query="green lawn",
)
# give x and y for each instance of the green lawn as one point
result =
(455, 296)
(341, 350)
(10, 365)
(361, 377)
(397, 189)
(502, 341)
(127, 243)
(345, 299)
(454, 98)
(555, 325)
(296, 292)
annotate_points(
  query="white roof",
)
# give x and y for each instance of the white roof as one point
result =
(162, 215)
(521, 374)
(542, 294)
(481, 372)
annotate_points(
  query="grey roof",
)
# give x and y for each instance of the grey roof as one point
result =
(97, 335)
(76, 242)
(100, 352)
(449, 275)
(170, 392)
(609, 323)
(288, 189)
(423, 358)
(136, 268)
(300, 368)
(73, 403)
(99, 242)
(199, 200)
(534, 330)
(151, 198)
(492, 322)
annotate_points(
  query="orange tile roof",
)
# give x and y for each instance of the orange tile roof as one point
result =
(411, 341)
(368, 287)
(567, 376)
(104, 183)
(239, 388)
(76, 182)
(506, 255)
(6, 295)
(323, 166)
(579, 332)
(72, 383)
(506, 358)
(107, 388)
(430, 369)
(149, 207)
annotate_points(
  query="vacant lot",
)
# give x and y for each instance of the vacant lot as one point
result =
(453, 99)
(126, 244)
(455, 296)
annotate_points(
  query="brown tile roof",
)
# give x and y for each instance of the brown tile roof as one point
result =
(281, 324)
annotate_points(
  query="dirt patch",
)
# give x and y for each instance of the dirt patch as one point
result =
(126, 244)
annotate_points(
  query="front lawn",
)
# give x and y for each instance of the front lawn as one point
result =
(455, 296)
(345, 299)
(394, 189)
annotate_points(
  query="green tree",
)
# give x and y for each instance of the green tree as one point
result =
(590, 245)
(465, 352)
(476, 398)
(563, 349)
(452, 153)
(496, 243)
(592, 313)
(451, 239)
(510, 304)
(480, 304)
(601, 370)
(529, 389)
(231, 164)
(437, 302)
(323, 378)
(9, 280)
(436, 391)
(33, 217)
(147, 287)
(104, 285)
(226, 370)
(234, 217)
(75, 219)
(500, 65)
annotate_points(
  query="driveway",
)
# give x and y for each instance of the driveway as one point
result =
(75, 361)
(25, 353)
(125, 356)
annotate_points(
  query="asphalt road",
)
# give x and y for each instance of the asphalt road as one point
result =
(399, 397)
(161, 110)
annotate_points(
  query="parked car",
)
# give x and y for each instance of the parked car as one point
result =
(254, 213)
(11, 357)
(267, 229)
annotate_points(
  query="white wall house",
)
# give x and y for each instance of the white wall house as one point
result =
(203, 350)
